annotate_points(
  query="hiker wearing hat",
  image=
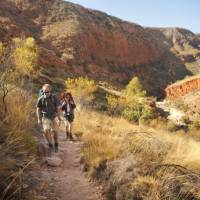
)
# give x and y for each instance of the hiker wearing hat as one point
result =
(48, 114)
(68, 107)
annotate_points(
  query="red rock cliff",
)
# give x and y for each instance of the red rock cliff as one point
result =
(183, 88)
(91, 43)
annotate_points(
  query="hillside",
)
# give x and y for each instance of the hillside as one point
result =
(184, 44)
(86, 42)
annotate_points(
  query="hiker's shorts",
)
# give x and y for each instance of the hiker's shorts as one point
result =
(69, 118)
(49, 124)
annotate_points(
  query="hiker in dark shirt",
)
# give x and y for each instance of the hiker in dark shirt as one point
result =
(48, 114)
(68, 107)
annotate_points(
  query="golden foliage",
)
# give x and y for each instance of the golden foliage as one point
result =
(115, 104)
(135, 88)
(25, 55)
(82, 89)
(17, 146)
(2, 48)
(133, 104)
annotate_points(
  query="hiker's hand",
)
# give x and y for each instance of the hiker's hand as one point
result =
(63, 103)
(39, 122)
(59, 121)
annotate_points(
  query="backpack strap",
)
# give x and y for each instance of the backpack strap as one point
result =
(54, 100)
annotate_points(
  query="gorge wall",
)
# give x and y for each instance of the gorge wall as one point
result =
(85, 42)
(183, 88)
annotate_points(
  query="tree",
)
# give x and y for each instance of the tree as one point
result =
(135, 88)
(17, 61)
(82, 89)
(25, 55)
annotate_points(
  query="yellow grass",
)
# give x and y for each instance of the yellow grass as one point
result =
(172, 160)
(101, 135)
(16, 143)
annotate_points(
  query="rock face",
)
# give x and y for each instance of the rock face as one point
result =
(198, 35)
(183, 88)
(182, 42)
(81, 42)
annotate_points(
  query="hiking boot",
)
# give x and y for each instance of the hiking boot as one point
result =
(71, 137)
(56, 147)
(67, 136)
(50, 148)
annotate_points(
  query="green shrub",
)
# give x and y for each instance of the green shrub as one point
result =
(135, 88)
(138, 111)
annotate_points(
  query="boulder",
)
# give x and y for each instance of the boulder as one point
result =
(54, 161)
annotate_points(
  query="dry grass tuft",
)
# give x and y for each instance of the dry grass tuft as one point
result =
(139, 162)
(17, 146)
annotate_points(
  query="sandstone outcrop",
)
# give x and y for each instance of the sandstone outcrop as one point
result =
(183, 87)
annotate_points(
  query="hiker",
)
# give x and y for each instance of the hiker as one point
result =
(48, 114)
(68, 107)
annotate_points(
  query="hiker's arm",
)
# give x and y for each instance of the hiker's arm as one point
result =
(63, 104)
(73, 104)
(39, 111)
(39, 114)
(58, 110)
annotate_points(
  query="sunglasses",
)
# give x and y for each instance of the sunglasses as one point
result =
(47, 92)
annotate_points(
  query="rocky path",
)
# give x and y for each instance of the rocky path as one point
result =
(67, 181)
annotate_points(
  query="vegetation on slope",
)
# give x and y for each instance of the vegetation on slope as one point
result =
(17, 146)
(138, 162)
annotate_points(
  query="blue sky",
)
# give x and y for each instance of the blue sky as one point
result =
(155, 13)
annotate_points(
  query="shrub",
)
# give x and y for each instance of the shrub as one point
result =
(83, 89)
(138, 111)
(17, 146)
(115, 104)
(135, 88)
(133, 105)
(25, 55)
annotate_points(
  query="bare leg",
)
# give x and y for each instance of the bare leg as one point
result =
(48, 137)
(67, 130)
(55, 136)
(70, 130)
(70, 127)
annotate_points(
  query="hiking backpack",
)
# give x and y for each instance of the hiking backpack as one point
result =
(41, 93)
(53, 100)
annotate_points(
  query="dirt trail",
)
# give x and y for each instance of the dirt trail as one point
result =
(67, 182)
